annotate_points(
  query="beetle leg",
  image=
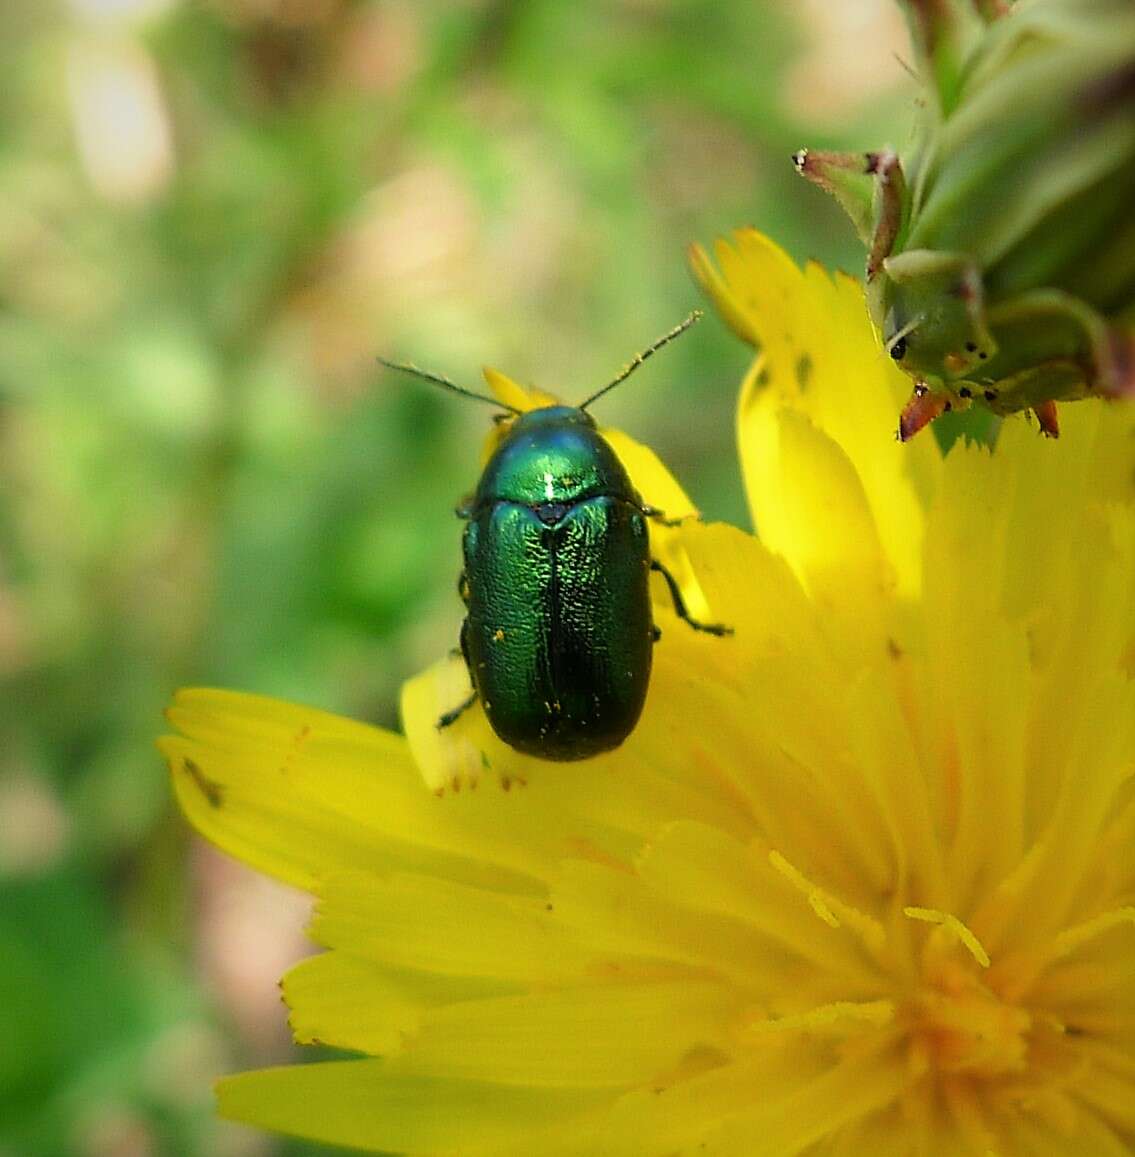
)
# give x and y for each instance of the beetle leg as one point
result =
(464, 509)
(456, 713)
(463, 587)
(680, 604)
(659, 516)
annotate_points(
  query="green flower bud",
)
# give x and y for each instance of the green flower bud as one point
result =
(1001, 249)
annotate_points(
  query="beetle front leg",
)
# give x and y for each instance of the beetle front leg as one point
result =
(680, 609)
(658, 515)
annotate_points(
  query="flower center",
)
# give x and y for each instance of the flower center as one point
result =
(962, 1026)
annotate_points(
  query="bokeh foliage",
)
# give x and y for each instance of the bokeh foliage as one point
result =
(212, 216)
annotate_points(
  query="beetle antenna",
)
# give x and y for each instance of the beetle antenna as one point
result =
(639, 358)
(446, 384)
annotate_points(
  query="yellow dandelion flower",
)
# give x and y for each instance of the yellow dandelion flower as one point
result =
(860, 881)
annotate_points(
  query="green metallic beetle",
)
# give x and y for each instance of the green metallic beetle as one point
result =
(558, 633)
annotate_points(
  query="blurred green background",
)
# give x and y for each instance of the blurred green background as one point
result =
(212, 217)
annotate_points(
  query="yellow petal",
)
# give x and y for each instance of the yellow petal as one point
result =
(301, 794)
(615, 1035)
(344, 1001)
(617, 915)
(448, 757)
(607, 804)
(657, 486)
(1033, 1134)
(727, 303)
(292, 791)
(1029, 567)
(819, 357)
(770, 1103)
(361, 1104)
(698, 867)
(974, 692)
(510, 393)
(515, 397)
(815, 1110)
(411, 922)
(1108, 1091)
(675, 1112)
(784, 703)
(824, 526)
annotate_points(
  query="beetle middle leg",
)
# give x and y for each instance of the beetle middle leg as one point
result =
(680, 608)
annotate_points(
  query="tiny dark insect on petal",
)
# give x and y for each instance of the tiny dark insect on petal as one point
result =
(212, 791)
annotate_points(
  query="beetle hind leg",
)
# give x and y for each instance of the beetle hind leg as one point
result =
(680, 608)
